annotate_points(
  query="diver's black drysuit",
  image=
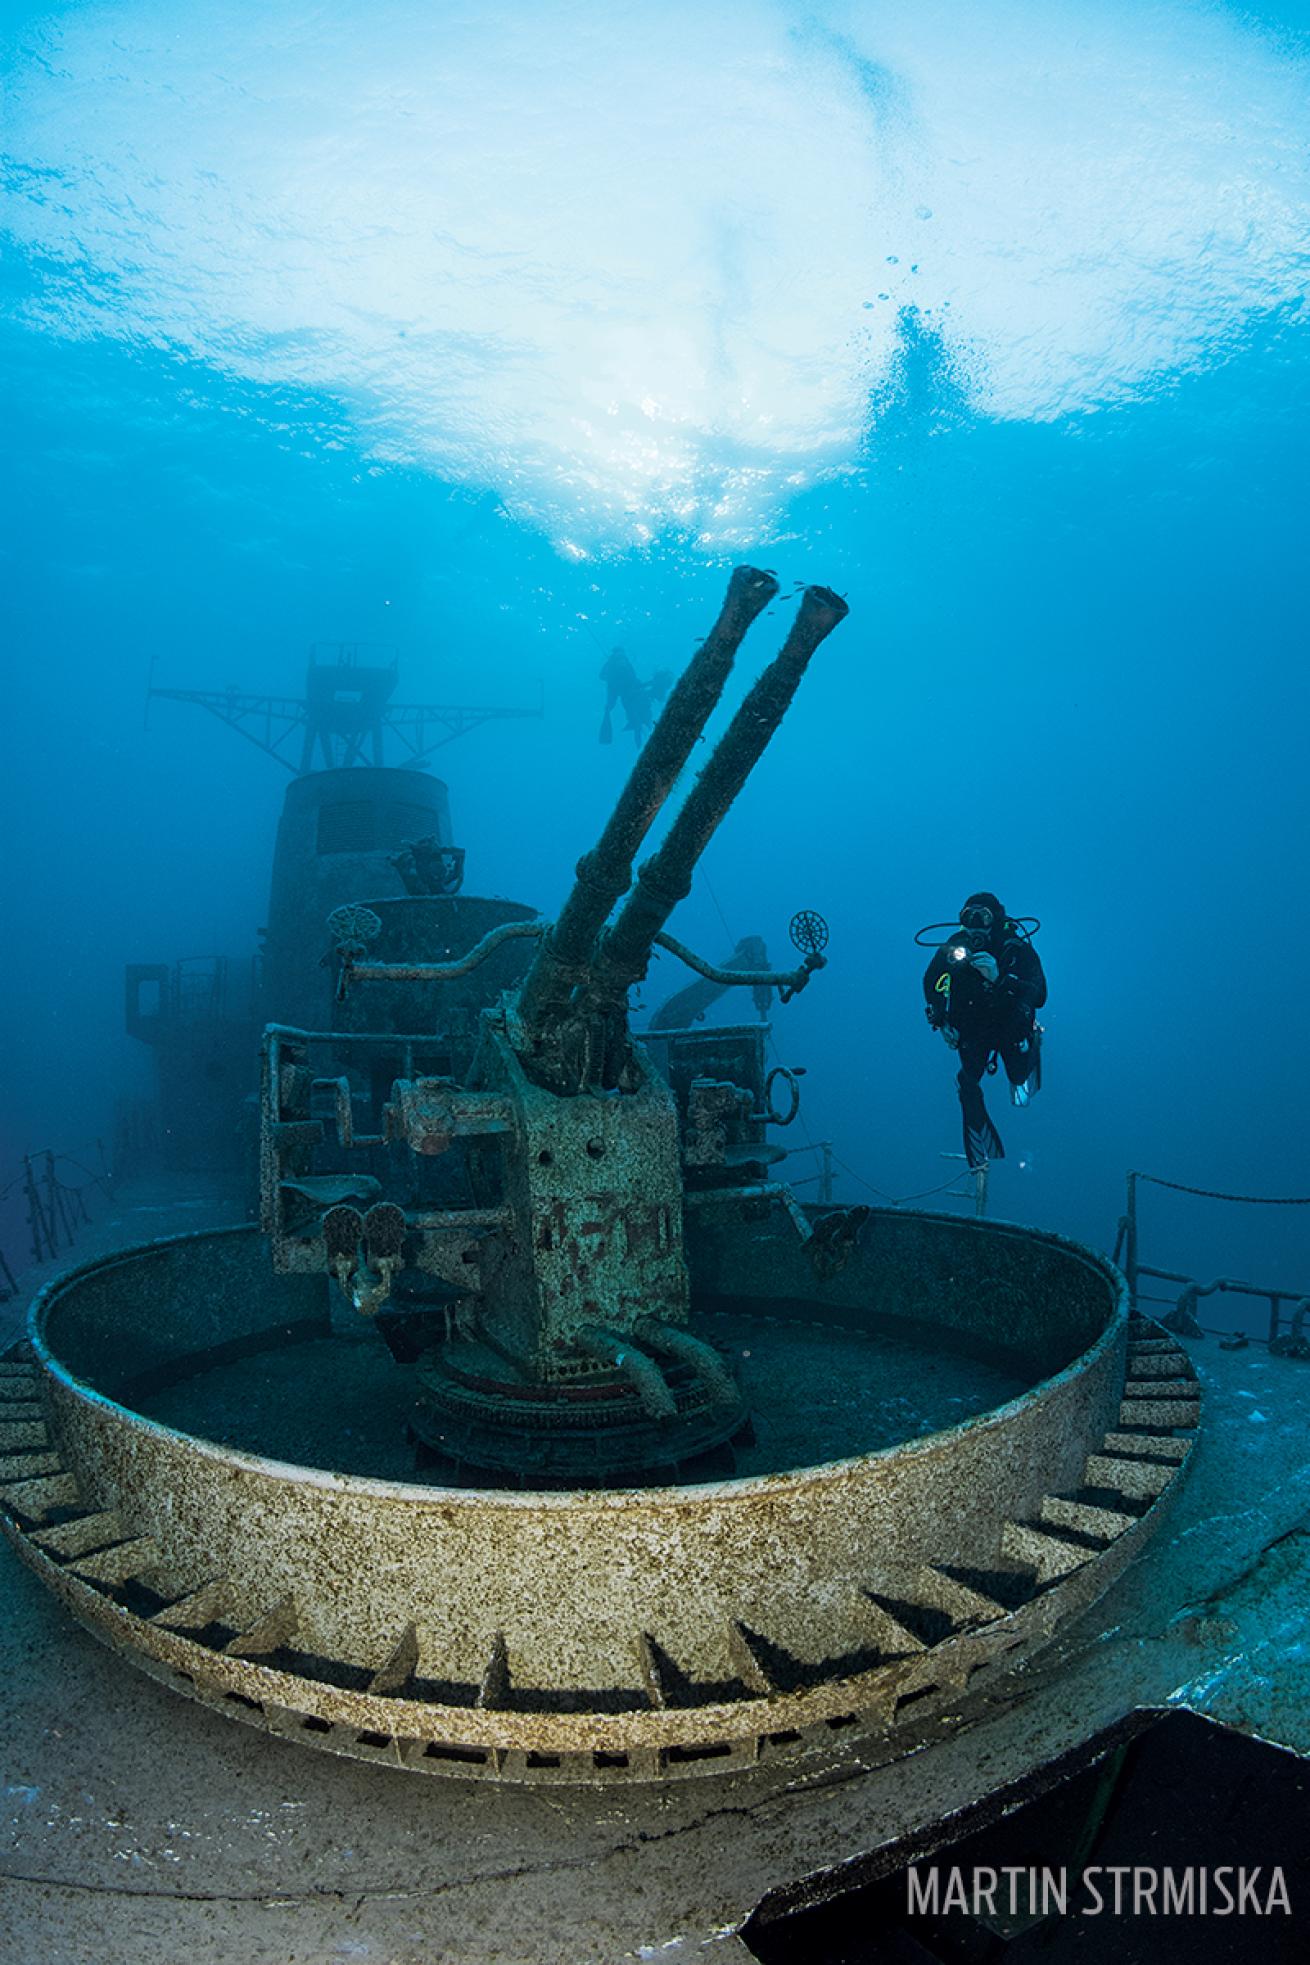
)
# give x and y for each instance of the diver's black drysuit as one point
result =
(984, 1018)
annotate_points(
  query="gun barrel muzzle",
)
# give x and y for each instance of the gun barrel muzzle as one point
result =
(666, 877)
(605, 874)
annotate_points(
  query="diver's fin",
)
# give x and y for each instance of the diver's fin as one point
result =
(606, 729)
(1021, 1092)
(982, 1143)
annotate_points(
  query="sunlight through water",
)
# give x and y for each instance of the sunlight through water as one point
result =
(645, 272)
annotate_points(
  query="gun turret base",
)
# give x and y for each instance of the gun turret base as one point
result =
(583, 1430)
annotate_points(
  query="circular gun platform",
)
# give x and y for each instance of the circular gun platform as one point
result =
(873, 1567)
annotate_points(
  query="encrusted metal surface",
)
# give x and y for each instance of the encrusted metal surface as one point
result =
(599, 1635)
(553, 1152)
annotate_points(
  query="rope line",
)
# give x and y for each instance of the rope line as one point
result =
(19, 1180)
(893, 1200)
(1249, 1200)
(93, 1179)
(39, 1175)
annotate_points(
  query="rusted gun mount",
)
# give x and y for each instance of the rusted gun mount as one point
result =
(556, 1254)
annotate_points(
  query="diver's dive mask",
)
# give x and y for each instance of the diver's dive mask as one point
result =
(977, 919)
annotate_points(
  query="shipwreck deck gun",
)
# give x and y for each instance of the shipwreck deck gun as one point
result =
(566, 1255)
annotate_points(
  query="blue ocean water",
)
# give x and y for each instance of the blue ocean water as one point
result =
(500, 337)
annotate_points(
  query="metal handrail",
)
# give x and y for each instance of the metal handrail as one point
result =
(1182, 1318)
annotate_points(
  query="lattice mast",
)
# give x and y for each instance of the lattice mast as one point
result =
(346, 715)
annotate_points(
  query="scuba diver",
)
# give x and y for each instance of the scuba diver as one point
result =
(639, 699)
(984, 987)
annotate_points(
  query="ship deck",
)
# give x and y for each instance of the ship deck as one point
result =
(140, 1827)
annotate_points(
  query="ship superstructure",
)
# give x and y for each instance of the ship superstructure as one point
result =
(362, 820)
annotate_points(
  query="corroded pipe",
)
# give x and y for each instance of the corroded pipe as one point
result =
(605, 874)
(771, 1190)
(641, 1372)
(705, 1362)
(437, 972)
(665, 879)
(726, 974)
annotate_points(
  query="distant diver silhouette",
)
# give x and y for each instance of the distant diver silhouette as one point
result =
(638, 699)
(689, 1004)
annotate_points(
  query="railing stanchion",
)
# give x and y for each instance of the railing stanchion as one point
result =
(1130, 1241)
